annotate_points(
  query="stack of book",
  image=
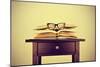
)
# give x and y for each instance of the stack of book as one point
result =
(60, 34)
(63, 33)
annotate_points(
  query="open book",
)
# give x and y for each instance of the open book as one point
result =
(60, 34)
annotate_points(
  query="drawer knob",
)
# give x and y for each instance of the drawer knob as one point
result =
(57, 47)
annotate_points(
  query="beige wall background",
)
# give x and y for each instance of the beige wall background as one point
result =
(28, 15)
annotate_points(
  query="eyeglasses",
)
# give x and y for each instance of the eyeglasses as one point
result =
(55, 27)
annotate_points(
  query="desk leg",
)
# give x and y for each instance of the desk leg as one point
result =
(75, 57)
(36, 58)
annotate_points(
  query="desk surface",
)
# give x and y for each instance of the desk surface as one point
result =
(54, 40)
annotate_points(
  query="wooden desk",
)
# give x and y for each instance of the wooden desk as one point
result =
(51, 47)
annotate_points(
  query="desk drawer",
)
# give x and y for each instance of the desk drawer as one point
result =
(45, 49)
